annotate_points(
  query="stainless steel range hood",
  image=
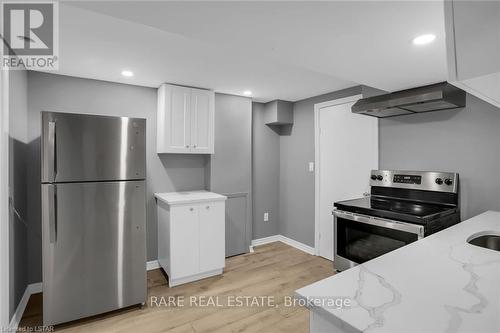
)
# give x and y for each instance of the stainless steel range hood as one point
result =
(435, 97)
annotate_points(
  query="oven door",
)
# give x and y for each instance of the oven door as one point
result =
(360, 238)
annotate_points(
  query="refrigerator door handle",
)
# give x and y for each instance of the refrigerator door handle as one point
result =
(53, 213)
(52, 150)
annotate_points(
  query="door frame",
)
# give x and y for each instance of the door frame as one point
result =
(4, 199)
(317, 172)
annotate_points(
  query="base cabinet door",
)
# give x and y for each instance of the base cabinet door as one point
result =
(184, 235)
(212, 236)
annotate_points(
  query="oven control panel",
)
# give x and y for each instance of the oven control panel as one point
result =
(416, 180)
(407, 179)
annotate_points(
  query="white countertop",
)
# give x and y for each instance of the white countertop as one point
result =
(437, 284)
(189, 197)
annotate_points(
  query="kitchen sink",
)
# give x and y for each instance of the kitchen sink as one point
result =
(486, 239)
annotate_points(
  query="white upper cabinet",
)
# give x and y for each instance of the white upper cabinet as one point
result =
(473, 47)
(185, 122)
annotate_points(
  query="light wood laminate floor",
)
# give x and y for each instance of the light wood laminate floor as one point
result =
(273, 270)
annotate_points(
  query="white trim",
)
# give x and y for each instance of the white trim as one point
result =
(298, 245)
(16, 318)
(4, 198)
(339, 101)
(153, 264)
(266, 240)
(35, 288)
(317, 108)
(280, 238)
(31, 289)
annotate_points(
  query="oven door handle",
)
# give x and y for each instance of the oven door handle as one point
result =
(383, 223)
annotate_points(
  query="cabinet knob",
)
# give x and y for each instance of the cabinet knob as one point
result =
(194, 146)
(208, 207)
(187, 146)
(191, 209)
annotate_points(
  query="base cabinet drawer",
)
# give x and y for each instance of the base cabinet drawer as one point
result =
(191, 240)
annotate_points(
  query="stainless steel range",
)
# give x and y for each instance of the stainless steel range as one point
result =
(403, 207)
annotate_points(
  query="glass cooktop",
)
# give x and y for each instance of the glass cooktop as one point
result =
(409, 211)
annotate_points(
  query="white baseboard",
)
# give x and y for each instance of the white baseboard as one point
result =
(280, 238)
(153, 264)
(266, 240)
(35, 288)
(31, 289)
(298, 245)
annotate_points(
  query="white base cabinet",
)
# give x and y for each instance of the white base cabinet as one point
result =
(191, 235)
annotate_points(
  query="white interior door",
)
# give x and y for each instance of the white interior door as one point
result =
(346, 151)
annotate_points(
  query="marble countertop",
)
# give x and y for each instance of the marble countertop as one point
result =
(189, 197)
(437, 284)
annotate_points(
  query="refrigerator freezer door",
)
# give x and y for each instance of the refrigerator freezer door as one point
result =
(79, 148)
(94, 248)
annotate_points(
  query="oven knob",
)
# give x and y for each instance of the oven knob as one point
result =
(374, 177)
(448, 181)
(439, 181)
(379, 177)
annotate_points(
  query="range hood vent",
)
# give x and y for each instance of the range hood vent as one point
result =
(435, 97)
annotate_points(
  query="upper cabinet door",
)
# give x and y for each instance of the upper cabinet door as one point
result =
(473, 47)
(174, 119)
(185, 122)
(202, 121)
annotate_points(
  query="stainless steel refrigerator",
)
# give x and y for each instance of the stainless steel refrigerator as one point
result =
(93, 214)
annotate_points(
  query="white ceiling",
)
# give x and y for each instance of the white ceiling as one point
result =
(285, 50)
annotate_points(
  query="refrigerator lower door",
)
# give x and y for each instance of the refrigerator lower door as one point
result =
(94, 248)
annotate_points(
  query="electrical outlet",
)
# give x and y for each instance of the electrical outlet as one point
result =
(266, 217)
(311, 166)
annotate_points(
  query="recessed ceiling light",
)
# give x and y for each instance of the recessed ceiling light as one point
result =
(127, 73)
(247, 93)
(424, 39)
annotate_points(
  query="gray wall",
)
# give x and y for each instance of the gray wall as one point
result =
(265, 174)
(18, 231)
(296, 196)
(466, 141)
(231, 167)
(68, 94)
